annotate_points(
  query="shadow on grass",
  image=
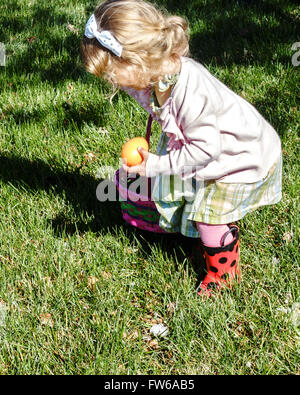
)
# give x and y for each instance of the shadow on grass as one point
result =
(80, 191)
(67, 114)
(228, 28)
(51, 51)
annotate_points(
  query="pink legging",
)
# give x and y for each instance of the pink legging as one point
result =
(211, 235)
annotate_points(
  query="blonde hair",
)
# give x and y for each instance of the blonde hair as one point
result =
(148, 36)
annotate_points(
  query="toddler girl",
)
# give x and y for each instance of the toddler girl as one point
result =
(217, 158)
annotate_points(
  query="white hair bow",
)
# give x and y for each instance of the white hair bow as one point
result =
(104, 37)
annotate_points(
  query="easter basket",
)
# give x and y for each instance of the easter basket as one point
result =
(138, 208)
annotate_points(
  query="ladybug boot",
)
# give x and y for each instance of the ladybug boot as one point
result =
(222, 264)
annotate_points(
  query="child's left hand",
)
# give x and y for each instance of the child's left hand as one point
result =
(141, 168)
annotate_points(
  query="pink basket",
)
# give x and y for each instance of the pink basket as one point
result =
(138, 209)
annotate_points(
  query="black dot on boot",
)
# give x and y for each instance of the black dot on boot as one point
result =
(233, 263)
(212, 286)
(223, 260)
(214, 269)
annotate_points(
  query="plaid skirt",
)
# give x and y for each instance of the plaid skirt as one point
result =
(182, 203)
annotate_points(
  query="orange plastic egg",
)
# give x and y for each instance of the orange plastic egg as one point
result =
(130, 151)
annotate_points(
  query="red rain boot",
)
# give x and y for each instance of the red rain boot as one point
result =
(222, 264)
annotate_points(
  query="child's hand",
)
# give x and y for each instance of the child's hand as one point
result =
(141, 168)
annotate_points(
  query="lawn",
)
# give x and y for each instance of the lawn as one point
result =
(79, 289)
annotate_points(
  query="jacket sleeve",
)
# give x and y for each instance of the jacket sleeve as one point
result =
(202, 143)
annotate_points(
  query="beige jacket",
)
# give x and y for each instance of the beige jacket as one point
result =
(213, 133)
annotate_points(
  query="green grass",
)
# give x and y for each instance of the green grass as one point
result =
(79, 289)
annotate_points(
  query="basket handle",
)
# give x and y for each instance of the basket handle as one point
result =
(149, 123)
